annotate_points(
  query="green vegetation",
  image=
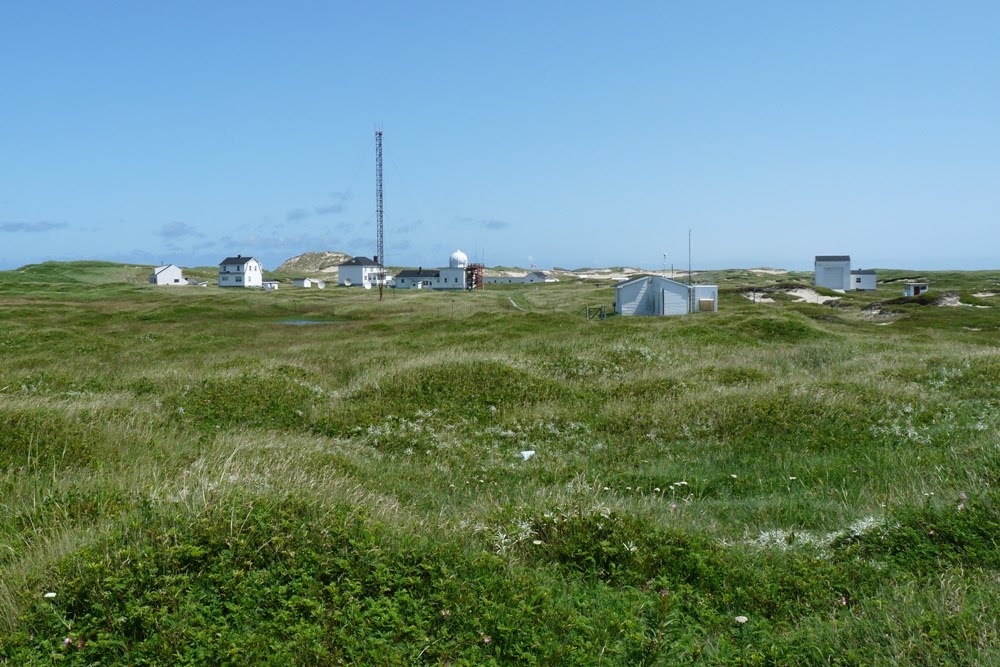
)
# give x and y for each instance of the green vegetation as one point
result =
(185, 479)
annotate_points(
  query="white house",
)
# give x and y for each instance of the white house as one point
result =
(309, 282)
(240, 271)
(833, 272)
(359, 271)
(458, 275)
(170, 274)
(915, 289)
(533, 277)
(656, 295)
(863, 279)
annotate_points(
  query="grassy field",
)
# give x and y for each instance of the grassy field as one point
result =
(190, 478)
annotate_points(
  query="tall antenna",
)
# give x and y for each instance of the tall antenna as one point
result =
(379, 243)
(689, 256)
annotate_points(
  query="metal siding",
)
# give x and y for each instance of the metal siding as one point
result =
(629, 297)
(710, 293)
(674, 303)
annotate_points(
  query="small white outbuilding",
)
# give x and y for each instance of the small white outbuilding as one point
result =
(309, 282)
(863, 280)
(656, 295)
(169, 274)
(915, 289)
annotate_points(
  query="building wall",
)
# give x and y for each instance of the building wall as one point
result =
(169, 275)
(350, 275)
(863, 281)
(248, 274)
(702, 295)
(633, 298)
(833, 274)
(451, 278)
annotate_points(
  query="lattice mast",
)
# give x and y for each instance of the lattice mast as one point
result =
(380, 241)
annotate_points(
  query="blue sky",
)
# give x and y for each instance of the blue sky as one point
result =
(556, 133)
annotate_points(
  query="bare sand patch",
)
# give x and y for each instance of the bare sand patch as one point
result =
(952, 301)
(810, 296)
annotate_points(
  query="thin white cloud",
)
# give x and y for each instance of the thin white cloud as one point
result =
(31, 227)
(175, 229)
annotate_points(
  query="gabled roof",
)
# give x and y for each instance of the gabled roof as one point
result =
(652, 278)
(419, 273)
(239, 260)
(833, 258)
(359, 261)
(161, 269)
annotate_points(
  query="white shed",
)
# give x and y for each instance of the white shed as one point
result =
(863, 280)
(833, 272)
(309, 282)
(656, 295)
(915, 289)
(169, 274)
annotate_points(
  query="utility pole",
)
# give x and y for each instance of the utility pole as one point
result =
(689, 256)
(379, 243)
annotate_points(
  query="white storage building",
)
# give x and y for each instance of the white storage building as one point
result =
(833, 272)
(656, 295)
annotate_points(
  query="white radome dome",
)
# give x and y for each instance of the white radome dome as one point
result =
(458, 260)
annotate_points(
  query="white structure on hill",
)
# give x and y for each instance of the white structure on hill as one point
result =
(458, 275)
(833, 272)
(915, 289)
(656, 295)
(240, 271)
(533, 277)
(169, 274)
(359, 272)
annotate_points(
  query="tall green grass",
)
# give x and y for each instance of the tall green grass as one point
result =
(444, 479)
